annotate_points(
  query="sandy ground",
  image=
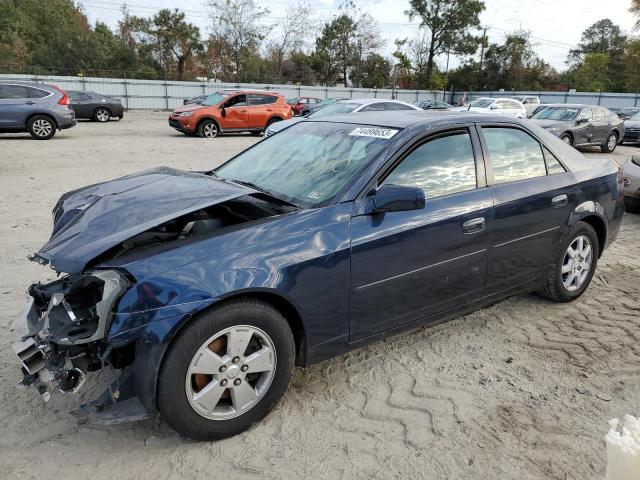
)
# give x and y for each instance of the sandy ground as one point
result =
(523, 389)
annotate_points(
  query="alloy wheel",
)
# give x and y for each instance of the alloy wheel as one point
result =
(577, 263)
(42, 128)
(612, 142)
(210, 130)
(231, 372)
(567, 139)
(102, 115)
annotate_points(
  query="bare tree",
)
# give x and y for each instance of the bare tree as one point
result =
(237, 24)
(298, 27)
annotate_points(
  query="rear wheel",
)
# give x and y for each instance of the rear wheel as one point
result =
(102, 115)
(573, 265)
(208, 129)
(610, 145)
(41, 127)
(226, 370)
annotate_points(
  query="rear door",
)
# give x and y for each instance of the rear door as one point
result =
(533, 197)
(260, 109)
(15, 106)
(82, 104)
(601, 125)
(409, 265)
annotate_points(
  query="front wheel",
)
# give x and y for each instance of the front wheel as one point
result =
(208, 129)
(610, 145)
(226, 370)
(566, 138)
(574, 264)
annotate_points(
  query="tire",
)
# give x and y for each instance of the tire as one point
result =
(102, 115)
(208, 129)
(271, 121)
(185, 397)
(610, 145)
(41, 127)
(257, 133)
(556, 288)
(567, 138)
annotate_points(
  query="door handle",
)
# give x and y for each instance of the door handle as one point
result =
(30, 103)
(243, 111)
(474, 225)
(269, 109)
(559, 201)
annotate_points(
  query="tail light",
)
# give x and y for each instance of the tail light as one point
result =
(621, 182)
(65, 100)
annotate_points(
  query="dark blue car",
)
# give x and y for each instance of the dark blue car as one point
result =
(206, 288)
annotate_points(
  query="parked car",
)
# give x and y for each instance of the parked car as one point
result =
(327, 101)
(231, 111)
(205, 288)
(433, 105)
(197, 100)
(530, 103)
(626, 113)
(496, 106)
(303, 105)
(582, 125)
(353, 105)
(632, 184)
(95, 106)
(35, 108)
(632, 130)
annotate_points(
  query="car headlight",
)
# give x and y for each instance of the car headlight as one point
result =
(185, 114)
(82, 312)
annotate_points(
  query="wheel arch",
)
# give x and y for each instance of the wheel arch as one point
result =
(215, 120)
(39, 114)
(102, 106)
(592, 213)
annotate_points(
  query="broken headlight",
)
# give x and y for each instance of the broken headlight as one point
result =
(82, 312)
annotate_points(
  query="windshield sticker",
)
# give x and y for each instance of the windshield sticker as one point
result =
(315, 195)
(373, 132)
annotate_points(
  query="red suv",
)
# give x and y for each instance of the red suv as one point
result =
(231, 111)
(303, 105)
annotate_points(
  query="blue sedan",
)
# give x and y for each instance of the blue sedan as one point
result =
(206, 288)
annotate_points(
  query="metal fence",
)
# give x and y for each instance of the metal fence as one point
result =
(609, 100)
(164, 95)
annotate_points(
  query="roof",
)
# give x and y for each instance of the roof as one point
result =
(404, 119)
(236, 91)
(568, 105)
(363, 101)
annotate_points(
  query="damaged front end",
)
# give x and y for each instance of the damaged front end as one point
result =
(62, 330)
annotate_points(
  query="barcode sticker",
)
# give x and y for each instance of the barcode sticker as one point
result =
(374, 132)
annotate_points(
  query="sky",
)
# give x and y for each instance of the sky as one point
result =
(555, 25)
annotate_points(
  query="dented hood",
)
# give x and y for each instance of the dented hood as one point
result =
(91, 220)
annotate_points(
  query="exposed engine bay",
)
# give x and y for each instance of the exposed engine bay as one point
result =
(65, 324)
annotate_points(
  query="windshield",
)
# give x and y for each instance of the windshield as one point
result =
(308, 163)
(214, 98)
(334, 109)
(636, 116)
(482, 103)
(557, 113)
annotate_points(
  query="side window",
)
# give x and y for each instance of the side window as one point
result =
(374, 107)
(442, 166)
(13, 92)
(37, 93)
(515, 155)
(553, 165)
(397, 106)
(599, 114)
(256, 99)
(237, 101)
(586, 113)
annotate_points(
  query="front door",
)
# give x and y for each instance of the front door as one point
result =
(236, 113)
(533, 197)
(408, 265)
(583, 131)
(15, 106)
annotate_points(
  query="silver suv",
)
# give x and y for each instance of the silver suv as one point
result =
(35, 108)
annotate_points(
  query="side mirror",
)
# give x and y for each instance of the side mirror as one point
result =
(583, 120)
(396, 198)
(494, 107)
(223, 112)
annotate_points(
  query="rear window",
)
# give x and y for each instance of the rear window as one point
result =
(256, 99)
(335, 109)
(13, 91)
(37, 93)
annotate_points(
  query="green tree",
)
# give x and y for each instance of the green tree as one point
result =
(631, 65)
(335, 49)
(447, 23)
(173, 41)
(591, 74)
(635, 10)
(375, 71)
